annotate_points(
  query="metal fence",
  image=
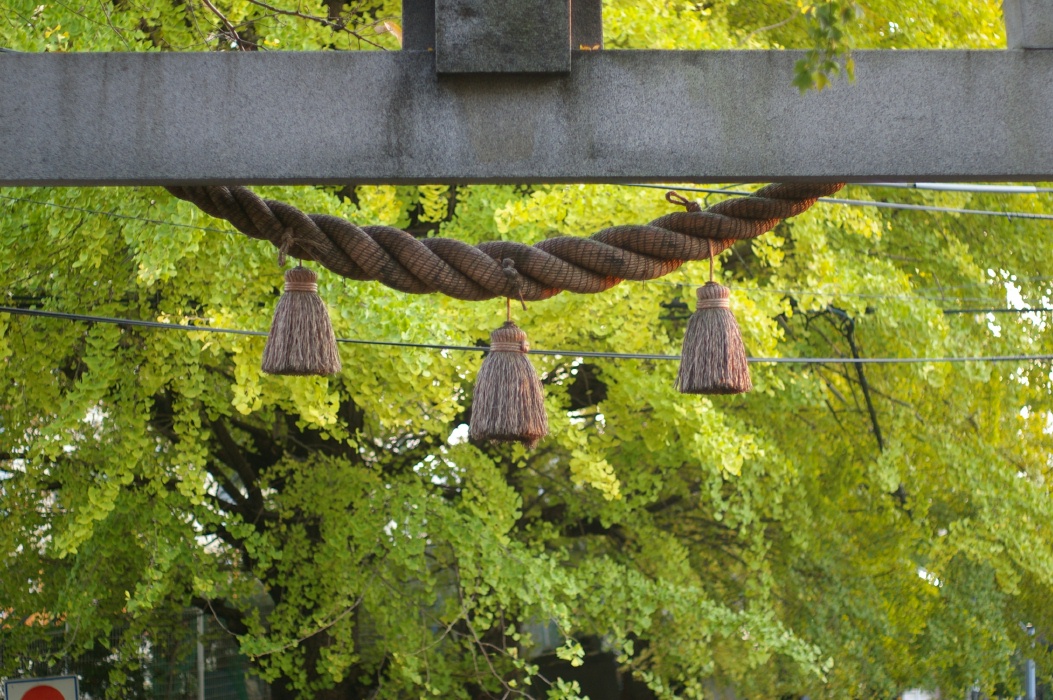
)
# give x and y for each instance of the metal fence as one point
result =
(191, 658)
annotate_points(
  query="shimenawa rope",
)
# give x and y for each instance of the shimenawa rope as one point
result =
(508, 400)
(563, 263)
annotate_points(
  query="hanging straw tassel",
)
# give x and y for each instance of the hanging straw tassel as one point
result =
(508, 403)
(301, 340)
(713, 360)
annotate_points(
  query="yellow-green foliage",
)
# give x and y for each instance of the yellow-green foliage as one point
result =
(840, 532)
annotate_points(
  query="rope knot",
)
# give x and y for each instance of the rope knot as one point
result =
(682, 201)
(306, 245)
(285, 244)
(515, 280)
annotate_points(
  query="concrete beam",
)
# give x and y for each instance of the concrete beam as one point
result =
(384, 117)
(586, 24)
(418, 24)
(1028, 23)
(502, 36)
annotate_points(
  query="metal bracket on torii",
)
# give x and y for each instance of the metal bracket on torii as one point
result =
(517, 91)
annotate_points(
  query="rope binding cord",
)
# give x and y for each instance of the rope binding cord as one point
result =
(507, 402)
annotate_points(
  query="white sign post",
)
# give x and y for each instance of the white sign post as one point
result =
(53, 688)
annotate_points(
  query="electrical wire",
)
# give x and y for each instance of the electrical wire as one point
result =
(705, 190)
(948, 312)
(115, 215)
(952, 312)
(1010, 215)
(942, 296)
(857, 295)
(854, 295)
(559, 353)
(958, 187)
(867, 203)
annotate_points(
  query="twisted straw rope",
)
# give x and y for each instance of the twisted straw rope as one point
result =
(475, 273)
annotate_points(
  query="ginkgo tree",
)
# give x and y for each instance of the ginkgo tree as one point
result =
(845, 530)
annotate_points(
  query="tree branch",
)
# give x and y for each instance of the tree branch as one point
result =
(233, 456)
(864, 384)
(233, 619)
(337, 25)
(231, 31)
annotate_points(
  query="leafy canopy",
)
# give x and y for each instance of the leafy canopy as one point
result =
(842, 531)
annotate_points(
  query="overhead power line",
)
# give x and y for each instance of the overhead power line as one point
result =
(996, 311)
(680, 305)
(115, 215)
(852, 295)
(940, 210)
(705, 190)
(868, 203)
(562, 353)
(959, 187)
(944, 295)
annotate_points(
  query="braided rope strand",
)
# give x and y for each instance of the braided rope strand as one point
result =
(475, 273)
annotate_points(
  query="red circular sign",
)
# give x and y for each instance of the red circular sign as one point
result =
(43, 692)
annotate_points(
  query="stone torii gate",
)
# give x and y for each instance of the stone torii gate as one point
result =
(485, 92)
